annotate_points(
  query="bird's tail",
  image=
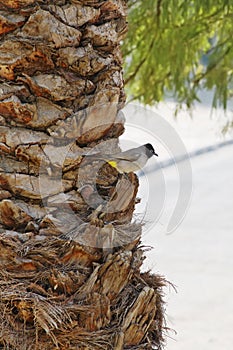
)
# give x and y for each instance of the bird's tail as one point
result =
(94, 156)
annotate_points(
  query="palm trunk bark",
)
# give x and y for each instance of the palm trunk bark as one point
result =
(70, 257)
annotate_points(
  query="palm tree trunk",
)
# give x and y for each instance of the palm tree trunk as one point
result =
(70, 256)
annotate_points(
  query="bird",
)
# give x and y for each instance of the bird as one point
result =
(129, 161)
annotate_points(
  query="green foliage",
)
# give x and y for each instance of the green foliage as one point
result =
(174, 47)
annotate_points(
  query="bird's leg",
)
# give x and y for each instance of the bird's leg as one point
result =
(124, 176)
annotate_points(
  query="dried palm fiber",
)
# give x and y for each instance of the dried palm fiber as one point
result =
(69, 263)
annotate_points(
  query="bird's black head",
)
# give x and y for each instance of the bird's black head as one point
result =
(150, 150)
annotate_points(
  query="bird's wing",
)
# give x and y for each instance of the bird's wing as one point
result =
(127, 155)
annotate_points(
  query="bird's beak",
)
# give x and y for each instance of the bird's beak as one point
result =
(155, 154)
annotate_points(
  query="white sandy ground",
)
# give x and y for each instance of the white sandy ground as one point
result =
(198, 257)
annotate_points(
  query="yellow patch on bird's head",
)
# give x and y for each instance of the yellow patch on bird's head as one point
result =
(113, 163)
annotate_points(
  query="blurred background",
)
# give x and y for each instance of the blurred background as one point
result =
(196, 257)
(179, 63)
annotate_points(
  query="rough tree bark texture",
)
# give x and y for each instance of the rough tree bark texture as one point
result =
(69, 256)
